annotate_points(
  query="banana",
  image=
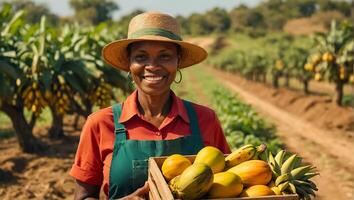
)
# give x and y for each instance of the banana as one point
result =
(309, 175)
(25, 92)
(297, 162)
(273, 165)
(279, 157)
(308, 190)
(288, 164)
(281, 179)
(242, 154)
(283, 186)
(292, 188)
(302, 193)
(312, 184)
(300, 171)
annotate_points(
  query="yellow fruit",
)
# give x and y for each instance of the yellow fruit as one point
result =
(253, 172)
(318, 77)
(174, 165)
(316, 58)
(327, 57)
(276, 190)
(279, 64)
(309, 67)
(244, 153)
(257, 191)
(351, 78)
(212, 157)
(194, 182)
(173, 183)
(225, 185)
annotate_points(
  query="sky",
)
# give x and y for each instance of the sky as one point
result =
(172, 7)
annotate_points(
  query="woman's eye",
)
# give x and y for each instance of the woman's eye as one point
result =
(165, 57)
(140, 57)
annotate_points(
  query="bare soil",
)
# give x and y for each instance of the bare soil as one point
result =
(38, 176)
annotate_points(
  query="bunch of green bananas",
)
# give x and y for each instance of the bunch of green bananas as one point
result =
(290, 176)
(102, 95)
(59, 97)
(34, 99)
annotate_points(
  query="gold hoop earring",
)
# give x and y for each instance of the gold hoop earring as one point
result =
(180, 75)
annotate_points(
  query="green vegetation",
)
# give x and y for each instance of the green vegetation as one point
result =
(61, 70)
(241, 124)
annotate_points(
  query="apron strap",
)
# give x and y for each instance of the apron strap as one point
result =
(192, 119)
(119, 128)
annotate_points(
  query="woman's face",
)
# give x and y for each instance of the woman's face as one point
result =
(153, 66)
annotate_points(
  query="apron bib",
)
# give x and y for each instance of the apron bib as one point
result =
(129, 163)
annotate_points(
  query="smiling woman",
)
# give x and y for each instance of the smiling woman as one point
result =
(117, 141)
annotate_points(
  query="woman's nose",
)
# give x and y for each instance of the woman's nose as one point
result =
(153, 64)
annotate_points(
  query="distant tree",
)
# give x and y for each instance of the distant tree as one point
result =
(218, 19)
(329, 5)
(306, 7)
(34, 12)
(185, 25)
(352, 11)
(93, 11)
(199, 25)
(242, 17)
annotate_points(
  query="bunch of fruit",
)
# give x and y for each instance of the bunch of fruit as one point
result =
(59, 97)
(34, 99)
(102, 95)
(291, 176)
(240, 174)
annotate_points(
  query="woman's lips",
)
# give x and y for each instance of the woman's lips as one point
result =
(153, 79)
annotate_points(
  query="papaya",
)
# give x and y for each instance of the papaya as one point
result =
(174, 165)
(194, 182)
(253, 172)
(257, 191)
(225, 185)
(212, 157)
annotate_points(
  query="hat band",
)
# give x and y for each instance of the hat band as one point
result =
(154, 31)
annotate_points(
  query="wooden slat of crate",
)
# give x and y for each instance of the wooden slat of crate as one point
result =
(159, 189)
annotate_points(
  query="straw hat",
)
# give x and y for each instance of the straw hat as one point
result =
(152, 26)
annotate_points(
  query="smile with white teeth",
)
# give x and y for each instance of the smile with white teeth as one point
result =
(153, 78)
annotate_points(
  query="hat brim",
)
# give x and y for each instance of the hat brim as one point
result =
(115, 53)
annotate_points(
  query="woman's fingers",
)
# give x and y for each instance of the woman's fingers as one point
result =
(141, 192)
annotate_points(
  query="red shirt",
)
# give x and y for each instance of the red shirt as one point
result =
(94, 153)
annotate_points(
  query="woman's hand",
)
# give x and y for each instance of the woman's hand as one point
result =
(139, 194)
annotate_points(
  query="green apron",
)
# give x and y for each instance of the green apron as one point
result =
(129, 163)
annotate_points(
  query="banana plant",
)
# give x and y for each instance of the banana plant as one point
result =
(336, 48)
(13, 78)
(296, 59)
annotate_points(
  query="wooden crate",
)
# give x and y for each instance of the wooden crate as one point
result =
(159, 189)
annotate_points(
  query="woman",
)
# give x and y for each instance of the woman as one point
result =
(117, 141)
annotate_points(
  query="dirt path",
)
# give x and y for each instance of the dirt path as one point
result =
(332, 155)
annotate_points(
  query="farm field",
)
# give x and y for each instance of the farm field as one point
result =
(300, 136)
(267, 84)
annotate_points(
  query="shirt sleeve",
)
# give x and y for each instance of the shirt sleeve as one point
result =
(212, 132)
(219, 137)
(88, 165)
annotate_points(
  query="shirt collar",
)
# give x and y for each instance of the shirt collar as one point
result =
(130, 108)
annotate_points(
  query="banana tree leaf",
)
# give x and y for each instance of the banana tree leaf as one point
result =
(74, 83)
(47, 78)
(14, 19)
(5, 87)
(78, 68)
(9, 70)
